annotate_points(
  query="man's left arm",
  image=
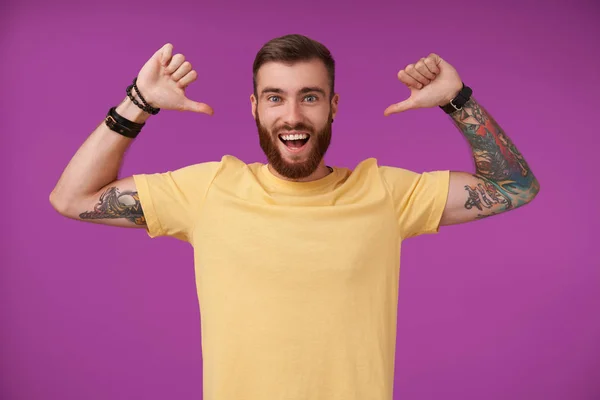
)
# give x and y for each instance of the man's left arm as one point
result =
(502, 180)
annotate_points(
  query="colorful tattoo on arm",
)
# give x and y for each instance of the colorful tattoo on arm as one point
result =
(114, 204)
(506, 178)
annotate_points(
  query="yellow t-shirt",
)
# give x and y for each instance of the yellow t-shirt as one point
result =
(297, 282)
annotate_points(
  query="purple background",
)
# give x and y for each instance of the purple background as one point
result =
(504, 308)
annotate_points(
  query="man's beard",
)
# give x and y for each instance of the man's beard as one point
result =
(295, 170)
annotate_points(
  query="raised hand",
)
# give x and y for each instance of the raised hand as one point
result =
(163, 80)
(432, 82)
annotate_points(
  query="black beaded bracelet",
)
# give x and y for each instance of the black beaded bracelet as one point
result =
(145, 106)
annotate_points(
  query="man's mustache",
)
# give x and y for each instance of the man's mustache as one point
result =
(298, 127)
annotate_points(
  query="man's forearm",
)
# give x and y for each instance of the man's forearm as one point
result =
(97, 162)
(497, 159)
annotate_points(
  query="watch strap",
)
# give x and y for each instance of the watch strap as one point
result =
(459, 101)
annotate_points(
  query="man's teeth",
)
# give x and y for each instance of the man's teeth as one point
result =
(297, 136)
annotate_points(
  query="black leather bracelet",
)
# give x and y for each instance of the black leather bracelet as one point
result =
(124, 121)
(121, 125)
(457, 103)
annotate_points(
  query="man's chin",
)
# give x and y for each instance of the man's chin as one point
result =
(296, 164)
(293, 166)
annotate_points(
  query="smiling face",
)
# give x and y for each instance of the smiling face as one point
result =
(294, 110)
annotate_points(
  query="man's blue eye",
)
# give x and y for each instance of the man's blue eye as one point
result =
(273, 97)
(314, 97)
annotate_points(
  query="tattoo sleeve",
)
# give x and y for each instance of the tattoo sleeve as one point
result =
(115, 204)
(505, 177)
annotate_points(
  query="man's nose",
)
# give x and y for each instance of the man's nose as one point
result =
(293, 114)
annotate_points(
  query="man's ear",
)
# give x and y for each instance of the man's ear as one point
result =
(254, 104)
(334, 105)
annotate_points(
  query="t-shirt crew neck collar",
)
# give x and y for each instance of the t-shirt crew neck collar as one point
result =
(298, 187)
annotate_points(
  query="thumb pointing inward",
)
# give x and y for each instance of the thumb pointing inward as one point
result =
(195, 106)
(398, 107)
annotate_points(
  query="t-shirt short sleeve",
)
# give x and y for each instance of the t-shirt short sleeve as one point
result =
(419, 199)
(171, 200)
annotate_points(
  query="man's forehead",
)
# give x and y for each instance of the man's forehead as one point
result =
(292, 77)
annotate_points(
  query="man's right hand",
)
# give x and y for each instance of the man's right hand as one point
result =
(163, 80)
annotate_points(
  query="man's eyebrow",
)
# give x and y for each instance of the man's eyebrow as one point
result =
(302, 91)
(312, 89)
(271, 90)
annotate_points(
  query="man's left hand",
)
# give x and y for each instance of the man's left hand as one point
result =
(432, 82)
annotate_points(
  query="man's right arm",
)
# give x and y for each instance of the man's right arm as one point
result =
(89, 188)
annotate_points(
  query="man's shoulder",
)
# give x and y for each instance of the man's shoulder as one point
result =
(229, 169)
(227, 162)
(373, 166)
(395, 178)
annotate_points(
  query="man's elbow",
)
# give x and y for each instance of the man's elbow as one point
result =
(60, 204)
(56, 202)
(529, 194)
(535, 189)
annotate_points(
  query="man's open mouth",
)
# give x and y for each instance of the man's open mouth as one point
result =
(294, 141)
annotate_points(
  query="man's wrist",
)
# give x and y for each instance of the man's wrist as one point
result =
(130, 111)
(460, 98)
(453, 96)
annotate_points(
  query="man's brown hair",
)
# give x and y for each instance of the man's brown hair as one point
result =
(293, 48)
